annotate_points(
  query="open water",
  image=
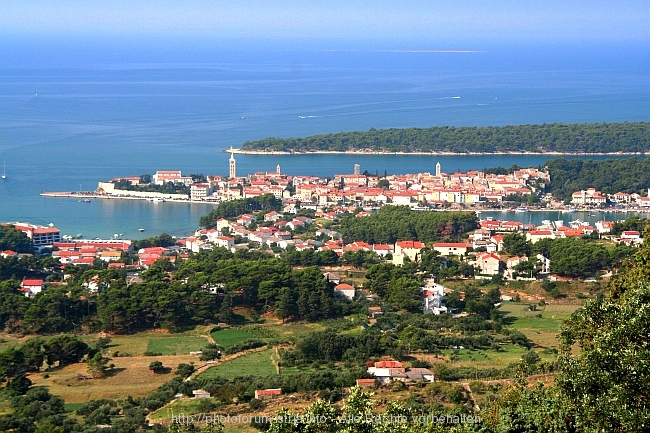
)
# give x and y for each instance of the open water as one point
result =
(66, 124)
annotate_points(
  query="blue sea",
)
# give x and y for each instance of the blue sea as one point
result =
(69, 120)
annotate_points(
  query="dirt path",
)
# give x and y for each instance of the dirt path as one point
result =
(465, 385)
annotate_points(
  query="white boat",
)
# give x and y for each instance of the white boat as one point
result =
(521, 209)
(140, 230)
(568, 210)
(4, 171)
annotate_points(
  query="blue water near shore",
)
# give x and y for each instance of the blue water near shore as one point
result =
(63, 127)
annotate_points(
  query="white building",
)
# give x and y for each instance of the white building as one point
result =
(31, 286)
(346, 290)
(163, 176)
(199, 191)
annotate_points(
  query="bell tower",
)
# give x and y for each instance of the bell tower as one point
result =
(233, 164)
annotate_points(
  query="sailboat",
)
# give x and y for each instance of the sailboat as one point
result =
(4, 171)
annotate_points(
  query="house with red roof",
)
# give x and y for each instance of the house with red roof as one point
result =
(263, 394)
(451, 248)
(387, 371)
(630, 234)
(364, 383)
(89, 261)
(382, 250)
(272, 216)
(225, 242)
(346, 290)
(535, 235)
(410, 249)
(8, 253)
(488, 263)
(604, 226)
(32, 286)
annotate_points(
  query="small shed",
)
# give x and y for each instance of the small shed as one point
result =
(201, 393)
(262, 394)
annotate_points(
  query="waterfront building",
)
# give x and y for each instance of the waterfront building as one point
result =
(590, 196)
(41, 236)
(199, 191)
(163, 176)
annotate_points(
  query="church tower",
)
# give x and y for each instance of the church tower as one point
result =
(438, 169)
(277, 169)
(233, 164)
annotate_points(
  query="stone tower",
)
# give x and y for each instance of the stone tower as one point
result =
(438, 169)
(233, 164)
(277, 169)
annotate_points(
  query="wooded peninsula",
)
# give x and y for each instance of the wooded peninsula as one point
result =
(588, 138)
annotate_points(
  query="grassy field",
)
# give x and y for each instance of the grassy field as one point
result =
(228, 337)
(176, 345)
(7, 342)
(184, 406)
(258, 363)
(131, 377)
(71, 407)
(542, 325)
(285, 371)
(296, 329)
(155, 341)
(487, 358)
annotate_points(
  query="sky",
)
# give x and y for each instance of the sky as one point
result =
(425, 20)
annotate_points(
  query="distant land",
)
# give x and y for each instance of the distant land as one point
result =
(557, 138)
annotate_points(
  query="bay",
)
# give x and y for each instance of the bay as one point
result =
(67, 127)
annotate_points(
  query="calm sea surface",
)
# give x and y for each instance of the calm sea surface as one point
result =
(65, 128)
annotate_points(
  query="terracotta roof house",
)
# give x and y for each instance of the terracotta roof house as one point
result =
(262, 394)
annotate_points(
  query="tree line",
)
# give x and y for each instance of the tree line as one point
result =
(399, 223)
(556, 137)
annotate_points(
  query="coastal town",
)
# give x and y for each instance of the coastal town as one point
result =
(420, 191)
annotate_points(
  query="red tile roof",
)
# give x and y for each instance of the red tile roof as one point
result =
(269, 392)
(389, 364)
(410, 244)
(32, 282)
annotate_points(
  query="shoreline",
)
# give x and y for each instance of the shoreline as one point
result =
(433, 153)
(89, 195)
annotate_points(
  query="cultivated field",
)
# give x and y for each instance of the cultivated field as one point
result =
(261, 363)
(176, 345)
(227, 337)
(542, 325)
